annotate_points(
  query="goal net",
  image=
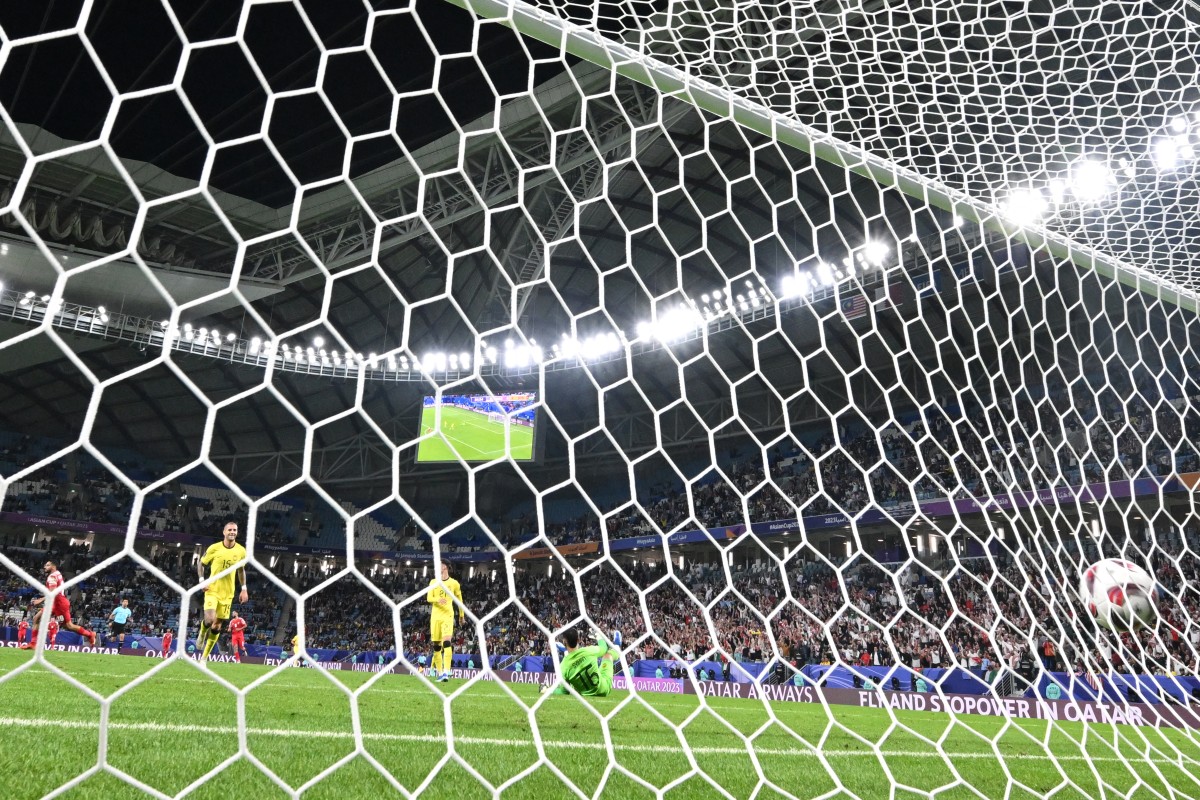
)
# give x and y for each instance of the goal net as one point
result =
(852, 349)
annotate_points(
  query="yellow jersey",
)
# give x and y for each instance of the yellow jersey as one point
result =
(219, 558)
(436, 593)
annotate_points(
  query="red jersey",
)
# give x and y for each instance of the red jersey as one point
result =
(167, 642)
(51, 630)
(237, 626)
(22, 629)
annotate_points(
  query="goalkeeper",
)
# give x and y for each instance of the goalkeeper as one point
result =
(579, 668)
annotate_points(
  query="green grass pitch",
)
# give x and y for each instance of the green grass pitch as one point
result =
(469, 435)
(181, 725)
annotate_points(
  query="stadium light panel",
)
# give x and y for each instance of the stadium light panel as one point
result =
(673, 325)
(1091, 180)
(1025, 206)
(1179, 124)
(1058, 191)
(876, 251)
(1166, 155)
(318, 341)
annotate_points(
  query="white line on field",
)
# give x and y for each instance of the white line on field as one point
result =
(158, 727)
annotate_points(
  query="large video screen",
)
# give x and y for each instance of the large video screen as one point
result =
(473, 427)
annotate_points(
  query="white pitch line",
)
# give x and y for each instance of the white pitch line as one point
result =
(157, 727)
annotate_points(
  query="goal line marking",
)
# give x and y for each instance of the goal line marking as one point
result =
(157, 727)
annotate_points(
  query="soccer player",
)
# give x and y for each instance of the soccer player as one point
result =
(22, 629)
(168, 639)
(237, 636)
(441, 619)
(579, 669)
(218, 591)
(118, 618)
(60, 607)
(51, 631)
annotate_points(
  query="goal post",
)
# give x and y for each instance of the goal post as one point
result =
(856, 478)
(530, 20)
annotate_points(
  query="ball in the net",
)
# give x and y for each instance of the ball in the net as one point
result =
(1119, 595)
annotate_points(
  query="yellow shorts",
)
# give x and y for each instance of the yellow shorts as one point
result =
(441, 629)
(222, 605)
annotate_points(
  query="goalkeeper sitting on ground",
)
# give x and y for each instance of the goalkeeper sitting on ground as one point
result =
(579, 668)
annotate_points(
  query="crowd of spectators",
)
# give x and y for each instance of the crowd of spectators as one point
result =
(983, 613)
(1008, 610)
(155, 605)
(1028, 441)
(1025, 440)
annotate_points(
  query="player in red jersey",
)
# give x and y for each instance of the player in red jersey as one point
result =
(61, 606)
(168, 640)
(237, 636)
(51, 632)
(22, 629)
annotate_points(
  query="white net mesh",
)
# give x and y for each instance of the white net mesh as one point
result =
(818, 350)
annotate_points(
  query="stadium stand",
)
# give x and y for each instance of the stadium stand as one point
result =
(940, 616)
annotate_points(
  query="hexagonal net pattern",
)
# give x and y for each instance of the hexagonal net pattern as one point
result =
(779, 338)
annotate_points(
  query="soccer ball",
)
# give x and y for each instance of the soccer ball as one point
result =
(1119, 594)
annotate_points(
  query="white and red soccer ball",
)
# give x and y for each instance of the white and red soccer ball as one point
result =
(1119, 595)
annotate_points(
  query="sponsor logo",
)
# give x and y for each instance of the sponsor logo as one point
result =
(300, 664)
(666, 685)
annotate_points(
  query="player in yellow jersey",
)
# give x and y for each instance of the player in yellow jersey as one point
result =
(441, 595)
(218, 589)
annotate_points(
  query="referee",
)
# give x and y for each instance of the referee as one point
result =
(117, 620)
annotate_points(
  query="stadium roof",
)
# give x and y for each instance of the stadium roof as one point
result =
(651, 202)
